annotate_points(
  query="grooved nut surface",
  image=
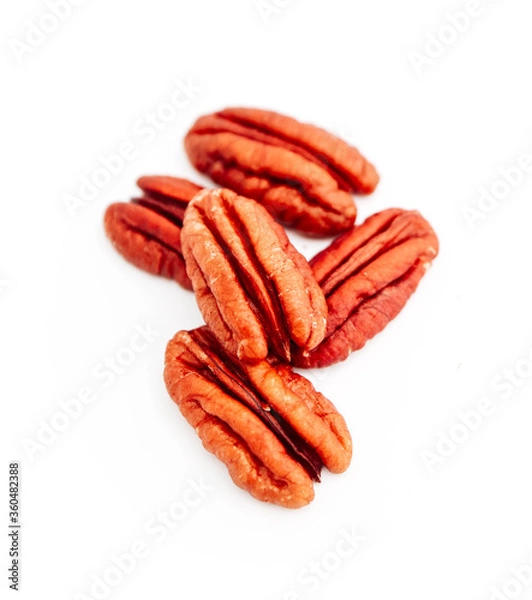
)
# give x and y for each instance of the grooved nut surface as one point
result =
(269, 426)
(147, 231)
(255, 291)
(367, 275)
(302, 174)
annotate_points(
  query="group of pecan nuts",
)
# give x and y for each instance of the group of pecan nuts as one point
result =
(266, 309)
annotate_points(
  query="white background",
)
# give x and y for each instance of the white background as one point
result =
(68, 302)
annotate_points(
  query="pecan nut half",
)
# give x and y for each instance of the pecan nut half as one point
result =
(367, 276)
(302, 174)
(147, 231)
(270, 427)
(255, 291)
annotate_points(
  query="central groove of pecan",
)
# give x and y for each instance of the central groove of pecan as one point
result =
(221, 372)
(256, 284)
(353, 265)
(277, 138)
(275, 180)
(150, 237)
(166, 207)
(396, 231)
(279, 331)
(261, 294)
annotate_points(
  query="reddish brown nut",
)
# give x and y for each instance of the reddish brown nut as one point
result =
(254, 290)
(167, 195)
(367, 276)
(147, 231)
(300, 173)
(269, 426)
